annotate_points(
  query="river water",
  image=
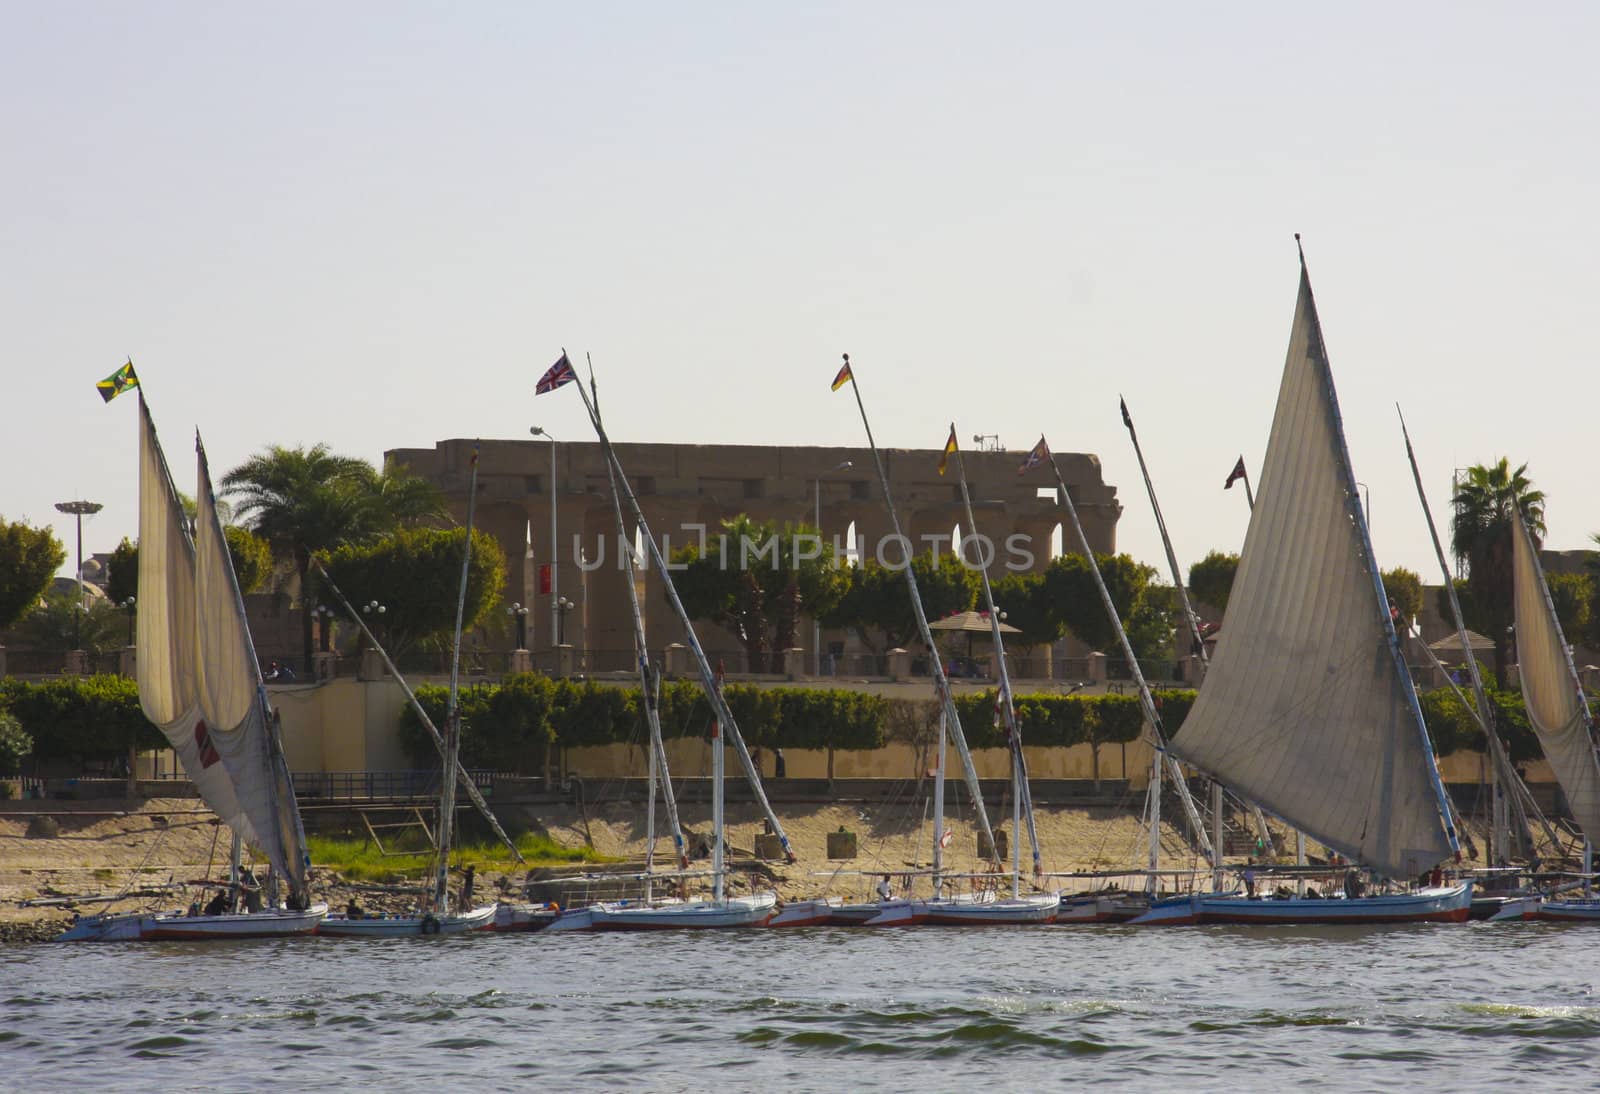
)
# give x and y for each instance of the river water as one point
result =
(1477, 1006)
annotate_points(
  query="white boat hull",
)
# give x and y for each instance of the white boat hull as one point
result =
(405, 926)
(748, 911)
(111, 927)
(969, 911)
(1550, 911)
(1446, 904)
(826, 912)
(1102, 908)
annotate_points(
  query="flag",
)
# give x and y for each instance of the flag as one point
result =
(118, 382)
(557, 374)
(1127, 421)
(844, 374)
(1036, 455)
(1236, 473)
(949, 447)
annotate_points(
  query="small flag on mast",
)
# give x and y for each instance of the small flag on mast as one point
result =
(557, 374)
(1238, 472)
(118, 382)
(844, 376)
(1036, 455)
(1126, 420)
(949, 447)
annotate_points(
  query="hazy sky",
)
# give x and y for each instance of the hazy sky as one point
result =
(374, 225)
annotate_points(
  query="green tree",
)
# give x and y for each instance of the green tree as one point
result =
(416, 574)
(877, 605)
(1211, 579)
(1026, 603)
(29, 558)
(1404, 589)
(1487, 504)
(15, 744)
(1572, 594)
(756, 580)
(1072, 589)
(122, 572)
(304, 500)
(60, 623)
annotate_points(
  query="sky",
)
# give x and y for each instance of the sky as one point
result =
(375, 224)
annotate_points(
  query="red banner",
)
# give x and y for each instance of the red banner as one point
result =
(544, 580)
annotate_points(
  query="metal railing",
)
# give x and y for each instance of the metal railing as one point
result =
(376, 785)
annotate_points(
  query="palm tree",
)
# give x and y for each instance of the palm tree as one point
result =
(306, 500)
(1487, 502)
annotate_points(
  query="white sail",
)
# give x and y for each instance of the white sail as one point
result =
(166, 667)
(1550, 688)
(1305, 708)
(233, 701)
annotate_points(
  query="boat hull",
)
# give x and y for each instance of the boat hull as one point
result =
(176, 926)
(750, 911)
(1550, 911)
(969, 912)
(1103, 908)
(112, 927)
(1446, 904)
(827, 912)
(407, 926)
(523, 917)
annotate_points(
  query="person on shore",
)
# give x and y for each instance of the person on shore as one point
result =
(1249, 878)
(779, 768)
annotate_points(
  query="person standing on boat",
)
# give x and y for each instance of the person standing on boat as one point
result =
(884, 890)
(1249, 878)
(467, 880)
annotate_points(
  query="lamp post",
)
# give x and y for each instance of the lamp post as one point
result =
(127, 605)
(562, 607)
(555, 567)
(520, 614)
(324, 617)
(816, 627)
(374, 612)
(79, 509)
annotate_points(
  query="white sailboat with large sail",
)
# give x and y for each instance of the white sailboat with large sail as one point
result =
(200, 683)
(1559, 713)
(1308, 707)
(441, 915)
(721, 910)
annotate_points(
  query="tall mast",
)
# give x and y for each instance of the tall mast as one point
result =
(717, 761)
(941, 683)
(1507, 782)
(719, 707)
(452, 721)
(649, 689)
(1146, 699)
(938, 812)
(1021, 794)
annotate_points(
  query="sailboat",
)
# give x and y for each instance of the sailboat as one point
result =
(1308, 707)
(721, 910)
(200, 682)
(1559, 714)
(438, 917)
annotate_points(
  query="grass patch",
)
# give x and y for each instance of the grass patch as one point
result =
(358, 858)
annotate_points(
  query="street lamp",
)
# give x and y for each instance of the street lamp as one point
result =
(520, 614)
(324, 617)
(562, 607)
(128, 606)
(374, 612)
(79, 509)
(816, 627)
(555, 569)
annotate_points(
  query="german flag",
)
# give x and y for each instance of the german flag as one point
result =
(845, 375)
(949, 447)
(118, 382)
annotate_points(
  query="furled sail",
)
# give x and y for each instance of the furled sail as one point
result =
(1550, 688)
(166, 667)
(1306, 708)
(233, 701)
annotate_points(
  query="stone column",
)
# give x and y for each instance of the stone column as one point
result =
(899, 664)
(794, 663)
(1097, 669)
(127, 661)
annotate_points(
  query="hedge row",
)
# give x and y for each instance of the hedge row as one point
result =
(81, 719)
(508, 726)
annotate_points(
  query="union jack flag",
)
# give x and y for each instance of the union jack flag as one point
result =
(559, 373)
(1036, 455)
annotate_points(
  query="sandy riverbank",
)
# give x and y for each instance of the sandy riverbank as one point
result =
(105, 848)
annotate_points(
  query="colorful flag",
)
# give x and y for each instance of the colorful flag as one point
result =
(844, 374)
(949, 447)
(1036, 455)
(557, 374)
(1127, 421)
(1237, 473)
(118, 382)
